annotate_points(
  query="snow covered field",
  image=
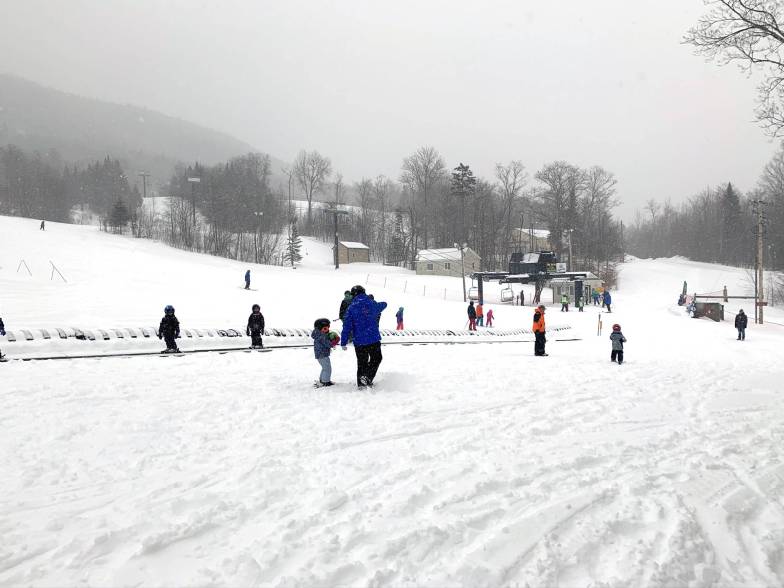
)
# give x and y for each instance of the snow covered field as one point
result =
(466, 466)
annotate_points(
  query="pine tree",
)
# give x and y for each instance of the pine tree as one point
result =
(292, 253)
(119, 216)
(730, 226)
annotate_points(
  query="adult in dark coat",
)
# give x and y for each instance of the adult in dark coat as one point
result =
(247, 280)
(255, 327)
(471, 316)
(344, 304)
(361, 324)
(741, 321)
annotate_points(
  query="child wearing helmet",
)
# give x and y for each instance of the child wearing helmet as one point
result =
(255, 327)
(169, 329)
(618, 340)
(323, 342)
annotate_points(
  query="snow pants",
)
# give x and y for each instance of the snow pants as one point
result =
(255, 339)
(326, 369)
(539, 343)
(564, 307)
(741, 334)
(170, 342)
(489, 322)
(368, 359)
(471, 324)
(480, 320)
(617, 353)
(399, 326)
(247, 285)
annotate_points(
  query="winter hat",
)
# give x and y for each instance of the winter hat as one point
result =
(169, 309)
(541, 307)
(255, 307)
(357, 290)
(321, 323)
(616, 327)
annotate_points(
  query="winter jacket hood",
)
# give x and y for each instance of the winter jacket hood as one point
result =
(361, 321)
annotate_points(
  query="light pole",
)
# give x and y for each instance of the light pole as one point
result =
(193, 181)
(462, 246)
(258, 216)
(570, 248)
(144, 175)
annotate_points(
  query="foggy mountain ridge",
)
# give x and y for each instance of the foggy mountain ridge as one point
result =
(82, 130)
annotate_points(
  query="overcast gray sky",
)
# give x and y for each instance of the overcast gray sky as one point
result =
(367, 82)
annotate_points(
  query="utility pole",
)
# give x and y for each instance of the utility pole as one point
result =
(570, 248)
(193, 181)
(144, 175)
(334, 211)
(759, 294)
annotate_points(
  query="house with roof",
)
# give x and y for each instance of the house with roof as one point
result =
(446, 262)
(352, 252)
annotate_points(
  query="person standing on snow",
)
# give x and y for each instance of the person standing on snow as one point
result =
(480, 315)
(322, 347)
(580, 304)
(539, 331)
(361, 323)
(471, 316)
(2, 334)
(607, 300)
(564, 303)
(596, 297)
(741, 322)
(43, 226)
(344, 304)
(618, 340)
(255, 327)
(169, 329)
(247, 280)
(399, 317)
(489, 317)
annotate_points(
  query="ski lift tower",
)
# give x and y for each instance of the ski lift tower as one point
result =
(335, 211)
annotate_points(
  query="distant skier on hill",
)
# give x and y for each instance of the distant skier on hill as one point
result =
(2, 334)
(741, 322)
(247, 280)
(169, 330)
(255, 327)
(43, 226)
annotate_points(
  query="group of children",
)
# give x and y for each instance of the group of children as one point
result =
(169, 329)
(476, 316)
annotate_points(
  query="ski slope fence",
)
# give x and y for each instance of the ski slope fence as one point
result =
(55, 342)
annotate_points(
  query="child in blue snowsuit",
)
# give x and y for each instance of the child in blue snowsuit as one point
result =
(322, 346)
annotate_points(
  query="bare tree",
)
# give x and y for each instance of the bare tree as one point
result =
(748, 33)
(512, 178)
(420, 174)
(311, 170)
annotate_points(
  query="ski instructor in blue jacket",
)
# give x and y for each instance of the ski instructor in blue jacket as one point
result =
(361, 323)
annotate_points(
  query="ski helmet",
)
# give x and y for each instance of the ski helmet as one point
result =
(357, 290)
(321, 323)
(169, 309)
(616, 327)
(255, 307)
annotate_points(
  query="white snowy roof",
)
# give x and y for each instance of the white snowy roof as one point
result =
(446, 254)
(354, 245)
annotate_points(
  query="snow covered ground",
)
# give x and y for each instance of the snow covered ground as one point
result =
(466, 466)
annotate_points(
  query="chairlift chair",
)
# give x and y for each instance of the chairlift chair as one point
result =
(507, 294)
(473, 293)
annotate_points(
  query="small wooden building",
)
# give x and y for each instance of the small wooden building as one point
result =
(567, 286)
(350, 252)
(446, 262)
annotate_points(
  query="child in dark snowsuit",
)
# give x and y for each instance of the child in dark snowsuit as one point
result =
(741, 322)
(323, 342)
(247, 280)
(255, 328)
(169, 329)
(618, 340)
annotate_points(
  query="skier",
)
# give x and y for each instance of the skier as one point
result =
(596, 297)
(618, 340)
(489, 317)
(564, 303)
(255, 327)
(43, 226)
(539, 331)
(344, 304)
(741, 321)
(361, 321)
(322, 347)
(169, 330)
(399, 317)
(247, 280)
(2, 334)
(607, 300)
(471, 316)
(522, 298)
(580, 304)
(480, 315)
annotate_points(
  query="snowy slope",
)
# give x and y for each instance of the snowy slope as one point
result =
(465, 466)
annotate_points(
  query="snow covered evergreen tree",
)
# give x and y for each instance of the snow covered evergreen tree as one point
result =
(292, 253)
